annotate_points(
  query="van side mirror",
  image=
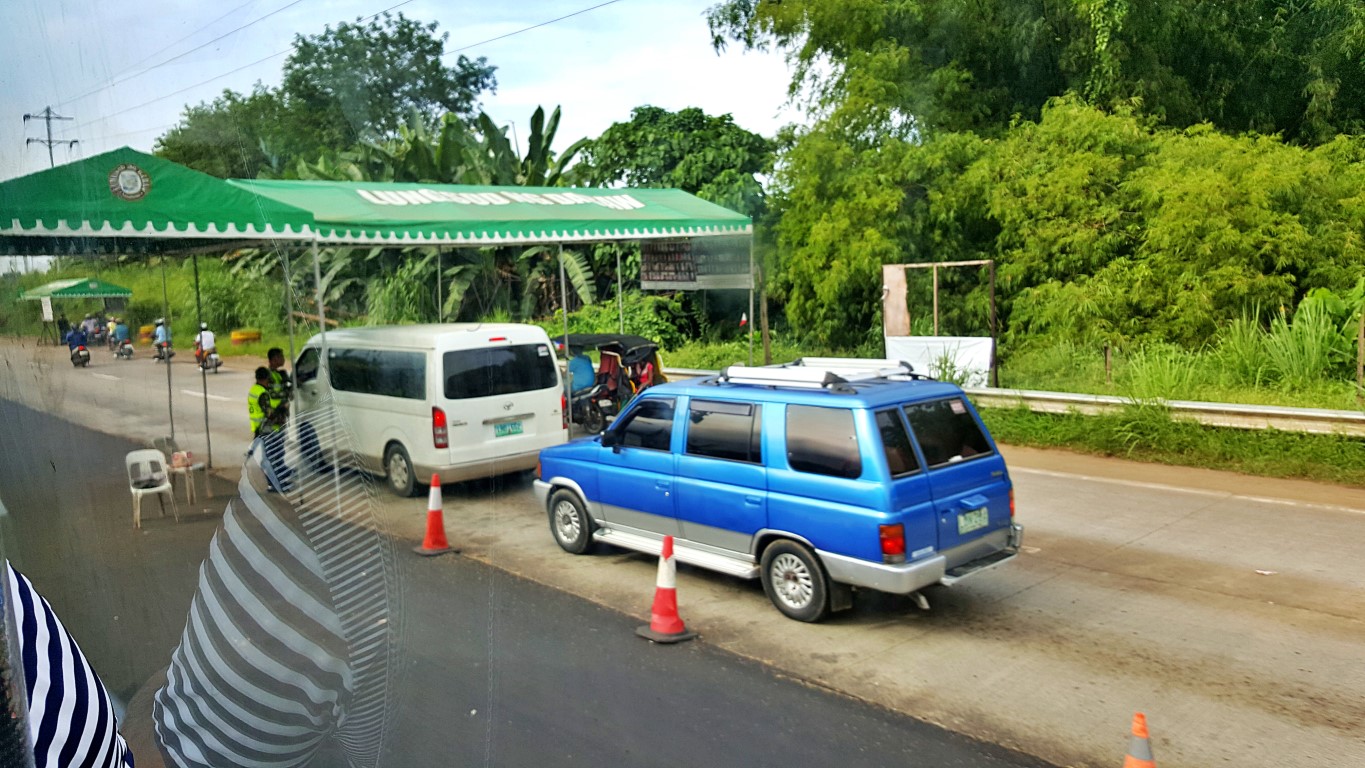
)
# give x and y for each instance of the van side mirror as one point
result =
(610, 439)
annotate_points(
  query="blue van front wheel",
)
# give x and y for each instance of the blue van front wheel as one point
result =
(795, 581)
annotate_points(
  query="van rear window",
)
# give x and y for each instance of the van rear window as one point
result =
(946, 431)
(491, 371)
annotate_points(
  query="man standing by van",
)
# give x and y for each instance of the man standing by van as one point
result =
(267, 423)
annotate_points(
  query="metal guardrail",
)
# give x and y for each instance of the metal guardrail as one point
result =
(1312, 420)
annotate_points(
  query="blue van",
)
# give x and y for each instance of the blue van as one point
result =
(816, 476)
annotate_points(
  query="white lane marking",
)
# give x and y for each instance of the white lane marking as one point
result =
(211, 397)
(1179, 489)
(106, 377)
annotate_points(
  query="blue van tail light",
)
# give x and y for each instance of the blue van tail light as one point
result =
(440, 435)
(893, 542)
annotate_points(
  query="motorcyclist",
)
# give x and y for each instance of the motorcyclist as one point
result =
(120, 331)
(205, 343)
(76, 338)
(161, 337)
(581, 372)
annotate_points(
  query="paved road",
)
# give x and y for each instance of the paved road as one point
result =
(1230, 609)
(497, 670)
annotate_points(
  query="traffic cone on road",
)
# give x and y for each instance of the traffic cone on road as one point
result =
(665, 626)
(1139, 748)
(435, 542)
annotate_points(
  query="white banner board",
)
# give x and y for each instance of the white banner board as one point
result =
(966, 358)
(47, 308)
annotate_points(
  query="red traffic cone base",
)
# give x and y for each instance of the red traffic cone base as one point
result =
(435, 541)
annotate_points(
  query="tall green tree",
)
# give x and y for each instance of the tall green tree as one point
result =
(360, 81)
(708, 156)
(1294, 68)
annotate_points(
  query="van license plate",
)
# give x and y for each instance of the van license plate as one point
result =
(972, 520)
(509, 428)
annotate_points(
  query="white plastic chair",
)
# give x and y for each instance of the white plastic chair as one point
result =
(148, 472)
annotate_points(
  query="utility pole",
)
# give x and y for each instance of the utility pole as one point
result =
(47, 116)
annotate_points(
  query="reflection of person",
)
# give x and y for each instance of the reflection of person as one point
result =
(287, 649)
(63, 325)
(580, 371)
(71, 720)
(281, 388)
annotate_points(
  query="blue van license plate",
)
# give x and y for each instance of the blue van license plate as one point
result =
(972, 520)
(509, 428)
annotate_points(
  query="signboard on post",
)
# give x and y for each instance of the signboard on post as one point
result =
(47, 309)
(704, 263)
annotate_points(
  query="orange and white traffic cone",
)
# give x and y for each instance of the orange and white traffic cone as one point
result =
(435, 542)
(665, 626)
(1140, 747)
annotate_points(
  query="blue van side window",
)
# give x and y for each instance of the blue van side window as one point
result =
(946, 431)
(650, 425)
(723, 430)
(900, 457)
(823, 441)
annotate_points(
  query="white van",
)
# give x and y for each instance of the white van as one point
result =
(463, 400)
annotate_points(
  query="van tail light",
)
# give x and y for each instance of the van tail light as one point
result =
(893, 542)
(564, 409)
(440, 434)
(1011, 503)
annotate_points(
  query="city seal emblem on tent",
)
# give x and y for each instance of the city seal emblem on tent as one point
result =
(129, 182)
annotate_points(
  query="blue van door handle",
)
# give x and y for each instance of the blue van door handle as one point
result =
(752, 501)
(662, 485)
(975, 501)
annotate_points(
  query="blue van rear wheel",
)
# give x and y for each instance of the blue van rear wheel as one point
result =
(795, 581)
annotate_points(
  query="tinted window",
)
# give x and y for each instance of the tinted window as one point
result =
(946, 431)
(490, 371)
(823, 441)
(900, 457)
(306, 369)
(650, 425)
(724, 430)
(379, 372)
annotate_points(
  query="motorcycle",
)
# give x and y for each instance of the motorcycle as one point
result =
(80, 356)
(628, 364)
(124, 350)
(164, 353)
(207, 362)
(588, 408)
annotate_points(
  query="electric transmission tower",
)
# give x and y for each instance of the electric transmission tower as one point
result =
(47, 116)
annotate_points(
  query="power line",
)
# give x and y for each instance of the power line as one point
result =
(528, 29)
(287, 50)
(179, 56)
(162, 50)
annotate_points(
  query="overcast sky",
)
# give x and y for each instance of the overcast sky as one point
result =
(83, 57)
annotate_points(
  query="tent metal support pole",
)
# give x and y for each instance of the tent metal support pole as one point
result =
(440, 278)
(749, 326)
(322, 311)
(203, 374)
(166, 317)
(564, 297)
(289, 303)
(620, 299)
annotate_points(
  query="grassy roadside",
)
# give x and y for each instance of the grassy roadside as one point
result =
(1148, 433)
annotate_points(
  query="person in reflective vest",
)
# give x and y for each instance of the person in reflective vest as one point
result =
(259, 407)
(280, 385)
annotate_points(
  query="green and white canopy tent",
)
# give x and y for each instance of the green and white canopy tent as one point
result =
(76, 288)
(129, 202)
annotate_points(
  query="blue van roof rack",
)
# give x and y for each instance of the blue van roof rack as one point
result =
(837, 374)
